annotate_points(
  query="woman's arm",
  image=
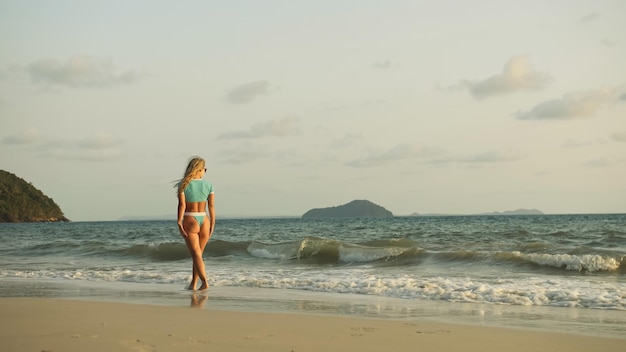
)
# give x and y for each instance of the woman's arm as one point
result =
(181, 211)
(211, 205)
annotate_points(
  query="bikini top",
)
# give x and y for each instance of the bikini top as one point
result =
(198, 191)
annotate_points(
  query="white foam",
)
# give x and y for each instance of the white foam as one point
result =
(527, 292)
(567, 291)
(586, 262)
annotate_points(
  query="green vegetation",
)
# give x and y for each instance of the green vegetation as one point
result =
(354, 209)
(22, 202)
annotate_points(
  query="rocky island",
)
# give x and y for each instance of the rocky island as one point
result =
(20, 201)
(353, 209)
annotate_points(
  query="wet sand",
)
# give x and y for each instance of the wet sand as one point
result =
(55, 325)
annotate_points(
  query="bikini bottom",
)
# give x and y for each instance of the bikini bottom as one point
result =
(199, 216)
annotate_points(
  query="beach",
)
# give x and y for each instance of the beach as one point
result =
(53, 325)
(484, 283)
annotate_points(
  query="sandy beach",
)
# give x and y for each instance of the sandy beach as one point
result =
(54, 325)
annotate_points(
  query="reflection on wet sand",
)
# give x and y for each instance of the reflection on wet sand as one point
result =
(198, 299)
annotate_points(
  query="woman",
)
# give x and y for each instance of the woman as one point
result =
(194, 196)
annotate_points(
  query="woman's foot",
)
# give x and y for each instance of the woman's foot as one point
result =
(192, 286)
(205, 286)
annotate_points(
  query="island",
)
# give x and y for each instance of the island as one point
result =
(20, 201)
(516, 212)
(353, 209)
(494, 213)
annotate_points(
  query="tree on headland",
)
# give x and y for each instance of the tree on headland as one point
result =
(20, 201)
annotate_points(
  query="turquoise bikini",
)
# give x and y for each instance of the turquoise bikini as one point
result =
(197, 191)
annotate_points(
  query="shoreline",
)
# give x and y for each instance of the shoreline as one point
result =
(569, 321)
(53, 324)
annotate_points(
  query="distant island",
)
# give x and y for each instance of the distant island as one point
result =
(353, 209)
(516, 212)
(20, 201)
(506, 212)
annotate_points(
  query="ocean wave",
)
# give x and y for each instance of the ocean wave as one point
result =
(167, 251)
(526, 292)
(325, 251)
(586, 262)
(317, 251)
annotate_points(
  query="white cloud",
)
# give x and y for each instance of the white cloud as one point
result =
(589, 18)
(572, 143)
(517, 75)
(85, 155)
(487, 157)
(101, 141)
(599, 162)
(431, 155)
(608, 42)
(492, 156)
(572, 105)
(100, 147)
(398, 152)
(284, 127)
(242, 154)
(79, 71)
(245, 93)
(346, 141)
(382, 65)
(29, 136)
(619, 136)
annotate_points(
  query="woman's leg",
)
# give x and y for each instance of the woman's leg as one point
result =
(203, 239)
(193, 242)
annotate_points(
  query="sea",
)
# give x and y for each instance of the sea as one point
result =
(563, 273)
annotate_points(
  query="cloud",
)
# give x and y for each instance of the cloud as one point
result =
(100, 147)
(346, 141)
(284, 127)
(619, 137)
(245, 93)
(382, 65)
(101, 141)
(29, 136)
(487, 157)
(399, 152)
(517, 75)
(492, 156)
(589, 18)
(431, 155)
(81, 71)
(599, 162)
(608, 42)
(572, 143)
(572, 105)
(243, 154)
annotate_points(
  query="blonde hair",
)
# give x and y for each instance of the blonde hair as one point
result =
(195, 165)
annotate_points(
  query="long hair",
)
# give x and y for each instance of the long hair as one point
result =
(195, 164)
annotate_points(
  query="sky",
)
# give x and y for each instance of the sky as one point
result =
(448, 107)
